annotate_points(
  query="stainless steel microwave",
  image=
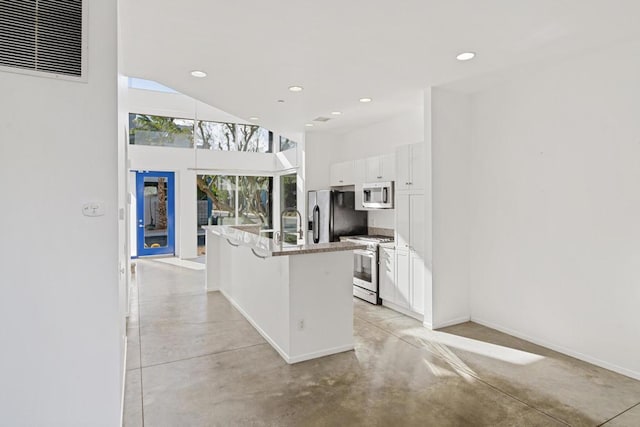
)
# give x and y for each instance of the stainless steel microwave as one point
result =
(377, 195)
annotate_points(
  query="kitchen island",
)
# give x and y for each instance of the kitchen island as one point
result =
(298, 297)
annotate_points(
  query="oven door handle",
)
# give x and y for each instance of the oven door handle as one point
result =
(316, 224)
(363, 252)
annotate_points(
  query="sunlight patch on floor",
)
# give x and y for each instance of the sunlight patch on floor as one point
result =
(181, 263)
(440, 342)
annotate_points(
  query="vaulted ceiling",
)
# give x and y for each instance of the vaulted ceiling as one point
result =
(342, 50)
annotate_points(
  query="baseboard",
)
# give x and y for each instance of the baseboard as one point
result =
(403, 310)
(451, 322)
(314, 355)
(124, 379)
(586, 358)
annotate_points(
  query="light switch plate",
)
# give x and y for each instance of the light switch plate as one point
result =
(93, 209)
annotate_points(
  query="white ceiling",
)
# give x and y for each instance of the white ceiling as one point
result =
(342, 50)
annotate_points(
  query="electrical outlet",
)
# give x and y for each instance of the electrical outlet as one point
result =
(301, 324)
(93, 209)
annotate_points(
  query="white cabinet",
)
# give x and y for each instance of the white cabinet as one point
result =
(394, 282)
(372, 169)
(359, 172)
(416, 280)
(380, 168)
(403, 280)
(342, 174)
(410, 263)
(410, 168)
(387, 274)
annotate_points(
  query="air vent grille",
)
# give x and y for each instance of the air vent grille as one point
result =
(42, 35)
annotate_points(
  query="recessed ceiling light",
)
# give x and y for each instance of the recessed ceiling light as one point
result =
(366, 99)
(254, 118)
(465, 56)
(198, 73)
(309, 125)
(295, 88)
(336, 113)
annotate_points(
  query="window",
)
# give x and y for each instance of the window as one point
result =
(146, 129)
(219, 191)
(232, 137)
(143, 84)
(254, 200)
(287, 144)
(233, 200)
(289, 199)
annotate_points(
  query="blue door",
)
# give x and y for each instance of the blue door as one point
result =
(155, 199)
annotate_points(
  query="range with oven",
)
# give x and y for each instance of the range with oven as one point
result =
(365, 267)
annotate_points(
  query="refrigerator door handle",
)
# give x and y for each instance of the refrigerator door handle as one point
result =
(316, 225)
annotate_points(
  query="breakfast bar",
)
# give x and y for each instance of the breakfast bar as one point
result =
(298, 297)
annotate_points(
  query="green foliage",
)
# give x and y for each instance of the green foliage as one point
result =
(159, 130)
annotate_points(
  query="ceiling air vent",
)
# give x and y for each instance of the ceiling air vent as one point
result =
(43, 36)
(321, 119)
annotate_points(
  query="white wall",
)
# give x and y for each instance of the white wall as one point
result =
(555, 198)
(59, 313)
(450, 147)
(319, 148)
(380, 138)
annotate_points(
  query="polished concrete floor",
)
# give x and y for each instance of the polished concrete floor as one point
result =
(193, 360)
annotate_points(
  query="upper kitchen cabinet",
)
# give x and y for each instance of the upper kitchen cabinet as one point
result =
(410, 168)
(342, 174)
(380, 168)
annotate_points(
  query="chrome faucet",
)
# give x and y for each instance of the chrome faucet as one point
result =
(278, 236)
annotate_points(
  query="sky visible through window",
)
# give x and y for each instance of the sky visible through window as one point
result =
(136, 83)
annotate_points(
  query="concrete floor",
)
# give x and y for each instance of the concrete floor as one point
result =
(193, 360)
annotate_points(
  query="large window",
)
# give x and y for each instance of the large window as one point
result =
(254, 200)
(288, 199)
(232, 137)
(233, 200)
(136, 83)
(147, 129)
(287, 144)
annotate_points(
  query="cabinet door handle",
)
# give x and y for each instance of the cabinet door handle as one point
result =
(407, 183)
(379, 177)
(257, 254)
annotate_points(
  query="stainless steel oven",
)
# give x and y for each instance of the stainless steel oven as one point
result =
(365, 267)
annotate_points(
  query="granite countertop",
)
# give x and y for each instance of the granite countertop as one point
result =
(265, 246)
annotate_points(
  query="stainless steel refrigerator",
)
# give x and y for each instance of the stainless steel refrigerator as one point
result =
(331, 214)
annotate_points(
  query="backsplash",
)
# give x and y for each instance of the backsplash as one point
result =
(382, 218)
(379, 231)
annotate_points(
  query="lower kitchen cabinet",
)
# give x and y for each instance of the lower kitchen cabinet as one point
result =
(410, 281)
(402, 280)
(416, 274)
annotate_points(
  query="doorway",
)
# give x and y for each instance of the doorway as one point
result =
(155, 213)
